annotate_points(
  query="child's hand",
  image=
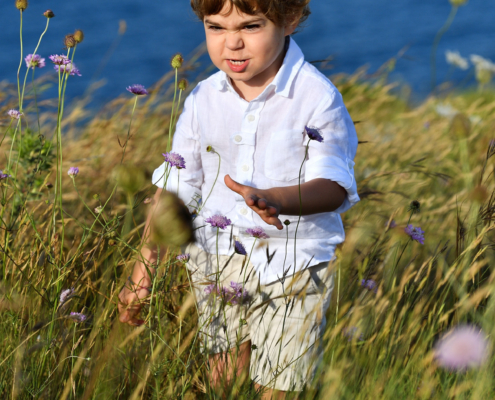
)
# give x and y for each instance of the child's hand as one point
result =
(130, 304)
(263, 202)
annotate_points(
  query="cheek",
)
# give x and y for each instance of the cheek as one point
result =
(214, 48)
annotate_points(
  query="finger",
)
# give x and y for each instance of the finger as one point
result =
(124, 317)
(277, 223)
(252, 201)
(135, 322)
(262, 204)
(234, 186)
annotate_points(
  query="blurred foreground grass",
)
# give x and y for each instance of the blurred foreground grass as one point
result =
(377, 345)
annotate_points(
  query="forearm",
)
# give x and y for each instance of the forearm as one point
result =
(317, 196)
(144, 268)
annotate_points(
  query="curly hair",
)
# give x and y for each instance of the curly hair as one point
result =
(280, 12)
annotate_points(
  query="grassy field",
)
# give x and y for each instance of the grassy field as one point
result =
(380, 340)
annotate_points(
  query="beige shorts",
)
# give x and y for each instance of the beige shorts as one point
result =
(284, 320)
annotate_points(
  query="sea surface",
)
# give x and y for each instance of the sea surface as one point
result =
(353, 32)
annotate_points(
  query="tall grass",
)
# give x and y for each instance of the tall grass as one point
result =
(377, 345)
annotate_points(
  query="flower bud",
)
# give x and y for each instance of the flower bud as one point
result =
(286, 222)
(177, 61)
(78, 35)
(460, 126)
(209, 149)
(183, 84)
(69, 41)
(49, 14)
(21, 4)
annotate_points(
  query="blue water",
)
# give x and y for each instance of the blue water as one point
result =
(354, 32)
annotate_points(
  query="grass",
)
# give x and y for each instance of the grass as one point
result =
(377, 345)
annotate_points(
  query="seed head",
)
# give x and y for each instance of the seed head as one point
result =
(183, 84)
(21, 4)
(209, 149)
(78, 35)
(172, 225)
(414, 206)
(177, 61)
(49, 14)
(458, 3)
(70, 41)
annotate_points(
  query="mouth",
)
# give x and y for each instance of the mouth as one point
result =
(237, 65)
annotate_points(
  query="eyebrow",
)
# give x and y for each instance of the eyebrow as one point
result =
(245, 23)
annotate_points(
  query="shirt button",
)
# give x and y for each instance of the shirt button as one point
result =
(238, 138)
(243, 211)
(245, 167)
(251, 118)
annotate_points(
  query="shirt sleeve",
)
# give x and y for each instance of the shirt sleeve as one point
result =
(186, 182)
(334, 157)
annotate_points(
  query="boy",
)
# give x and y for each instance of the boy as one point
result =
(256, 117)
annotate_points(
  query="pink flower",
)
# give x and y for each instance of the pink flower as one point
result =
(257, 232)
(462, 348)
(34, 61)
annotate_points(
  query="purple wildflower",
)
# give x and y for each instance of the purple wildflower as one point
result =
(351, 332)
(313, 133)
(218, 221)
(415, 233)
(73, 171)
(240, 295)
(211, 289)
(369, 284)
(34, 61)
(4, 176)
(257, 232)
(65, 295)
(68, 68)
(175, 160)
(233, 295)
(390, 225)
(14, 114)
(462, 348)
(183, 258)
(239, 248)
(138, 90)
(78, 317)
(59, 60)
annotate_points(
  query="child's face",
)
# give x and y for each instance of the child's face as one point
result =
(248, 48)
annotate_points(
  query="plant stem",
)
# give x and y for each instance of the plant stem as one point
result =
(438, 36)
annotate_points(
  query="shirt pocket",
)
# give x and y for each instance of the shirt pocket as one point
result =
(284, 156)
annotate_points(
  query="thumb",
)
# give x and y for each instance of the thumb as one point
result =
(233, 185)
(124, 317)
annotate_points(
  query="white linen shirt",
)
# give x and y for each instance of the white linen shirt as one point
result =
(261, 144)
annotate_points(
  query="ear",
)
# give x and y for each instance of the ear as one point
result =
(292, 25)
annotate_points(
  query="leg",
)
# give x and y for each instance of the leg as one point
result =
(290, 323)
(269, 394)
(225, 368)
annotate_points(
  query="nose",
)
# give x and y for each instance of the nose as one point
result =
(233, 41)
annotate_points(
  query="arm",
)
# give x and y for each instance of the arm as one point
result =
(131, 295)
(317, 196)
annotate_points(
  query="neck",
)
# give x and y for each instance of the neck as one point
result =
(252, 89)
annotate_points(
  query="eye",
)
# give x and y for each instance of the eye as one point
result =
(214, 28)
(251, 27)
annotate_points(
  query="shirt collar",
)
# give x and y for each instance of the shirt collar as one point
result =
(294, 59)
